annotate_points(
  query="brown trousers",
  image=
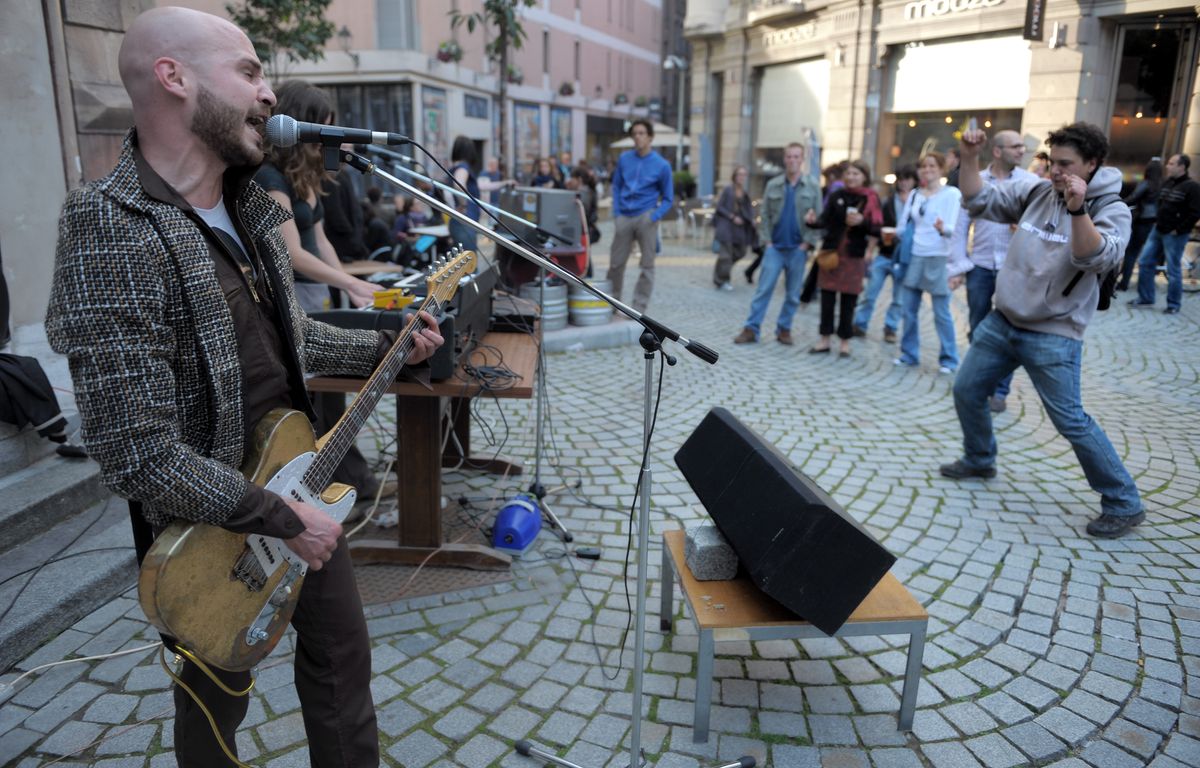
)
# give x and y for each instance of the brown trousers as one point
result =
(333, 679)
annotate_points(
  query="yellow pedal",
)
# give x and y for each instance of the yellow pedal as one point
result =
(392, 298)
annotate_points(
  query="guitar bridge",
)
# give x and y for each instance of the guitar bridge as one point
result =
(249, 571)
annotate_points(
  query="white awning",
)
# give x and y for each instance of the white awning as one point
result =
(791, 99)
(960, 76)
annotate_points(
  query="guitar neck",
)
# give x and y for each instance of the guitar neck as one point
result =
(346, 430)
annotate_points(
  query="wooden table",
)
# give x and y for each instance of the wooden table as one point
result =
(738, 610)
(419, 466)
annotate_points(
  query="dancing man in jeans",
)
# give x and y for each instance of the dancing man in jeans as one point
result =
(1040, 314)
(786, 201)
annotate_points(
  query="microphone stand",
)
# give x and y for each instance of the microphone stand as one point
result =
(652, 339)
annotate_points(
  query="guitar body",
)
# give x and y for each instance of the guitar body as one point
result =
(189, 587)
(228, 597)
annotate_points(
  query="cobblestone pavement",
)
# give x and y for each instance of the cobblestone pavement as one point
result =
(1046, 647)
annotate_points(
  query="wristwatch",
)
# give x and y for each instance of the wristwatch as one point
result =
(1082, 210)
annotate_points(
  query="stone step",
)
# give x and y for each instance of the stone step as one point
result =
(41, 495)
(61, 575)
(21, 447)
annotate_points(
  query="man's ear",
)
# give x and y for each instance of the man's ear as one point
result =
(171, 76)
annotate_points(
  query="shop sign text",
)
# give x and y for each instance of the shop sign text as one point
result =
(920, 9)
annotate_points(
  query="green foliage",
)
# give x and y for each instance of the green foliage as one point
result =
(502, 17)
(294, 29)
(683, 179)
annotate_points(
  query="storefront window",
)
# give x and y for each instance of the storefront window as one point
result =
(1152, 91)
(527, 132)
(560, 131)
(905, 137)
(433, 123)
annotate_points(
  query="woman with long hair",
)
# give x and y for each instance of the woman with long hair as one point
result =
(735, 226)
(1143, 201)
(293, 177)
(464, 169)
(934, 211)
(851, 215)
(544, 174)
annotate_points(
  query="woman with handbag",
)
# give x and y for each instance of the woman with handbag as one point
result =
(734, 219)
(934, 213)
(852, 214)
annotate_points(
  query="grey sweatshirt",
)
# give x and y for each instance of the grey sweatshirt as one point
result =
(1039, 264)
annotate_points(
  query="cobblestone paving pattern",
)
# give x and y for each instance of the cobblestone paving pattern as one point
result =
(1045, 648)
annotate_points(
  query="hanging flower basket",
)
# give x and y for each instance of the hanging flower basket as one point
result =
(620, 98)
(566, 89)
(449, 51)
(515, 76)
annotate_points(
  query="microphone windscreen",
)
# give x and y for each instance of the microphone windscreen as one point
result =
(282, 131)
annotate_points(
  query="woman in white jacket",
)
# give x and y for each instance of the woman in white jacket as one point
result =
(935, 212)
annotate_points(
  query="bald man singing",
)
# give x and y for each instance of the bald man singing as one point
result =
(173, 302)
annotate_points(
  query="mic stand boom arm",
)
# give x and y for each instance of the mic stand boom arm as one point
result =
(660, 331)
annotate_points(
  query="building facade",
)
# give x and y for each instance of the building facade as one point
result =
(585, 69)
(886, 79)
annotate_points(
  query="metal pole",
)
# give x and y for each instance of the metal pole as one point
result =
(679, 123)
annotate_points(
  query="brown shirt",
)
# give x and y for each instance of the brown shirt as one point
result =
(266, 383)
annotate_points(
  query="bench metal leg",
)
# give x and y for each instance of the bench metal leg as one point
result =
(704, 684)
(666, 612)
(912, 677)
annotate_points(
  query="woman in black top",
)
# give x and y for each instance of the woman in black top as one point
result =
(1143, 202)
(293, 176)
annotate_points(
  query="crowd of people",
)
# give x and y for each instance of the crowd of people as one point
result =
(1032, 246)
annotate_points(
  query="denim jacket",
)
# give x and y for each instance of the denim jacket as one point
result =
(808, 196)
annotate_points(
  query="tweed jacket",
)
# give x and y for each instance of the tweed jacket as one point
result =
(137, 310)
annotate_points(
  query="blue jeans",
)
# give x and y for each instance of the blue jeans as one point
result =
(881, 270)
(1148, 263)
(910, 340)
(981, 286)
(1052, 363)
(790, 261)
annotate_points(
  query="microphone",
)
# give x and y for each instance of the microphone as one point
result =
(284, 131)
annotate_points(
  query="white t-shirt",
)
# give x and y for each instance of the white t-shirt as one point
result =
(218, 218)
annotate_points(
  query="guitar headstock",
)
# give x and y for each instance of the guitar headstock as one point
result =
(446, 271)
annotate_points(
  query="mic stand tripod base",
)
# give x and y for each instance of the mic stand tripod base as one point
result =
(540, 493)
(527, 749)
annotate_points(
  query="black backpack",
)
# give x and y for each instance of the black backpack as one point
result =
(1108, 278)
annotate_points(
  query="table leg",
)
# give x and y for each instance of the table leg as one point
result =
(666, 612)
(912, 677)
(704, 681)
(419, 499)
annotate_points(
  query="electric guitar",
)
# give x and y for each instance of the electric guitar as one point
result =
(228, 597)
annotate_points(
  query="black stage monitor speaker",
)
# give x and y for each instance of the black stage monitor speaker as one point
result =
(796, 543)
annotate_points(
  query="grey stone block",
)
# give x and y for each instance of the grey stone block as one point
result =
(708, 555)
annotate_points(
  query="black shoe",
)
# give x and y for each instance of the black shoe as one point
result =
(1111, 526)
(1140, 303)
(859, 331)
(958, 470)
(1171, 311)
(750, 276)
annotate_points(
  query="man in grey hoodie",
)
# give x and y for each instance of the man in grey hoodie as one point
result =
(1041, 313)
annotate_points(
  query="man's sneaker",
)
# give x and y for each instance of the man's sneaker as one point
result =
(1111, 526)
(958, 470)
(945, 370)
(859, 331)
(1140, 303)
(889, 335)
(747, 336)
(996, 404)
(1171, 311)
(725, 286)
(784, 336)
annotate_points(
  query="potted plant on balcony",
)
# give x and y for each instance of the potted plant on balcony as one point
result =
(566, 89)
(449, 50)
(641, 101)
(515, 76)
(620, 98)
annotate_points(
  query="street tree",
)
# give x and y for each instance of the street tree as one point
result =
(284, 32)
(503, 17)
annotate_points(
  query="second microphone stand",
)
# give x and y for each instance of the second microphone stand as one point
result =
(651, 340)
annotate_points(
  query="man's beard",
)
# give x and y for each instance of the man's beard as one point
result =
(219, 126)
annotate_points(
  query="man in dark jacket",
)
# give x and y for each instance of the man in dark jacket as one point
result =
(1178, 211)
(173, 301)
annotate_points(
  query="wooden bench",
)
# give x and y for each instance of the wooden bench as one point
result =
(739, 610)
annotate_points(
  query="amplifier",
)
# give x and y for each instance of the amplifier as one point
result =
(444, 360)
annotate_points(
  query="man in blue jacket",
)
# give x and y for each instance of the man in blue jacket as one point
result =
(642, 193)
